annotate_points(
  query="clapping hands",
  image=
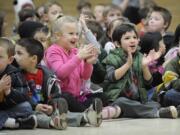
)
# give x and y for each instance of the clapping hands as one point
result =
(152, 56)
(5, 84)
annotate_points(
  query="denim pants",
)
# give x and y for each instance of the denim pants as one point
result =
(21, 110)
(135, 109)
(172, 97)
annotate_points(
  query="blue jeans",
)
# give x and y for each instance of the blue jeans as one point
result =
(172, 97)
(21, 110)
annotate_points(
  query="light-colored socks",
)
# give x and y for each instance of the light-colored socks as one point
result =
(111, 112)
(11, 123)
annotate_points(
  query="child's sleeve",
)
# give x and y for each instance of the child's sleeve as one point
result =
(61, 68)
(19, 90)
(86, 71)
(173, 66)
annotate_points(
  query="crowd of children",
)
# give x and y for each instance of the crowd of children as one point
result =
(58, 70)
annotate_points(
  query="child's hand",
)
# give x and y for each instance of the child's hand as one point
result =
(83, 22)
(44, 108)
(85, 52)
(130, 58)
(149, 58)
(94, 58)
(48, 109)
(5, 84)
(162, 47)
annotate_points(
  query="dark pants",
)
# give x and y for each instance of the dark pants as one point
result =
(172, 97)
(21, 110)
(76, 106)
(135, 109)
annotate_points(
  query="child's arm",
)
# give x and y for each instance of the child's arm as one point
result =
(145, 62)
(14, 90)
(88, 34)
(64, 68)
(19, 89)
(87, 68)
(120, 72)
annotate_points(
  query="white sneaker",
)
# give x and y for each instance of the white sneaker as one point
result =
(93, 115)
(59, 116)
(168, 112)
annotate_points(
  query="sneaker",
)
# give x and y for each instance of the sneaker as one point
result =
(168, 112)
(59, 116)
(93, 115)
(28, 123)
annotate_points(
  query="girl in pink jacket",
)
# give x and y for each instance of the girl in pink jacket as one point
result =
(71, 65)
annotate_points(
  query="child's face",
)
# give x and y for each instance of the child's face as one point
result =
(43, 38)
(53, 12)
(156, 22)
(68, 37)
(129, 41)
(98, 12)
(112, 15)
(4, 59)
(22, 57)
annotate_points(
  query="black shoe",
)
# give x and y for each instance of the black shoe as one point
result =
(28, 123)
(168, 112)
(59, 116)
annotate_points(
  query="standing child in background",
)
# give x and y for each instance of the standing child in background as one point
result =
(15, 111)
(127, 75)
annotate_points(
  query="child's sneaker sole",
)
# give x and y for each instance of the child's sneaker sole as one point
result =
(97, 106)
(60, 121)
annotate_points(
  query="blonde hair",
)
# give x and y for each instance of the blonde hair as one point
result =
(59, 23)
(8, 45)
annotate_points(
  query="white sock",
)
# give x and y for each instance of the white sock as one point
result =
(158, 114)
(11, 123)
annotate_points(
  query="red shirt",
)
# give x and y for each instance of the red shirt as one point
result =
(35, 82)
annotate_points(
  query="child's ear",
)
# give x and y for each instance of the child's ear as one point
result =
(34, 58)
(57, 35)
(11, 59)
(166, 25)
(117, 44)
